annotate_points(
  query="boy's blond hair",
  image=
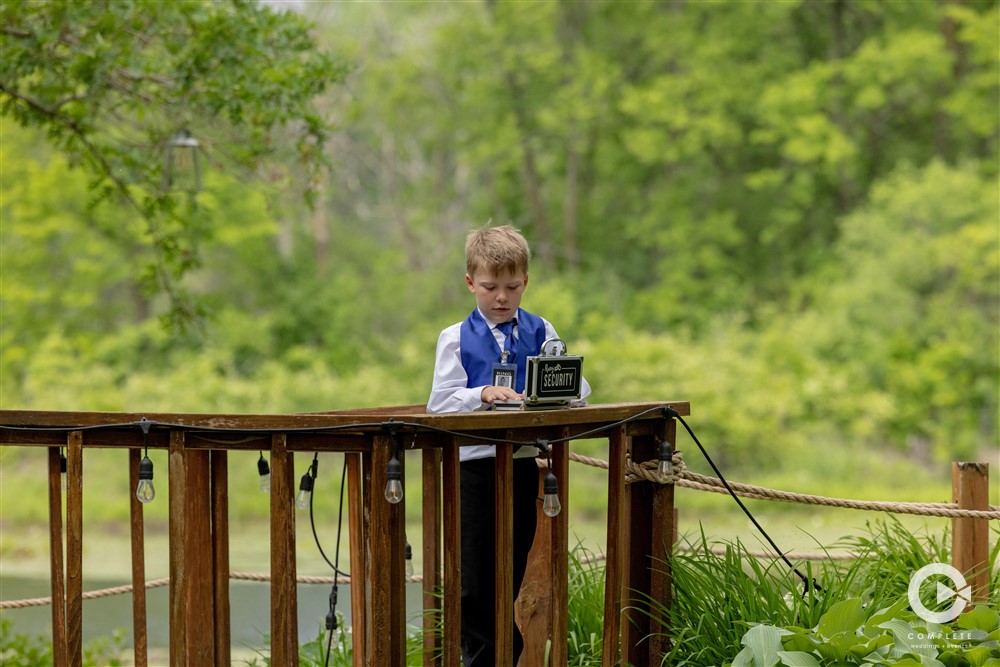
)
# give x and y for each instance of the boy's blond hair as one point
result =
(496, 250)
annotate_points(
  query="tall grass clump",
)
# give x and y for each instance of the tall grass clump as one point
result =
(719, 596)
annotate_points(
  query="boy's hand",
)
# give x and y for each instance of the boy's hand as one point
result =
(493, 393)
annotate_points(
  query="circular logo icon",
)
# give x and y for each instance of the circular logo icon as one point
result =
(960, 593)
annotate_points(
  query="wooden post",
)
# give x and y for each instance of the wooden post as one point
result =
(431, 484)
(970, 537)
(284, 598)
(504, 553)
(355, 521)
(220, 554)
(59, 641)
(178, 570)
(614, 570)
(140, 650)
(637, 560)
(385, 567)
(74, 548)
(452, 519)
(664, 535)
(192, 590)
(559, 631)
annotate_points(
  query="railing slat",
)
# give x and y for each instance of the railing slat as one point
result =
(59, 639)
(284, 604)
(137, 529)
(74, 548)
(619, 445)
(504, 552)
(663, 529)
(560, 557)
(220, 554)
(452, 520)
(356, 528)
(431, 486)
(385, 568)
(178, 566)
(638, 536)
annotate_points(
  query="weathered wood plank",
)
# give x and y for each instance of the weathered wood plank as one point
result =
(74, 548)
(637, 534)
(56, 563)
(614, 577)
(431, 484)
(970, 537)
(220, 555)
(505, 553)
(452, 519)
(560, 556)
(178, 554)
(137, 532)
(284, 600)
(355, 525)
(663, 537)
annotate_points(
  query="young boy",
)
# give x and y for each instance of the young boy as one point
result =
(497, 331)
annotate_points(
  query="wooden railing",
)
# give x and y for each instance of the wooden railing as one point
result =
(639, 524)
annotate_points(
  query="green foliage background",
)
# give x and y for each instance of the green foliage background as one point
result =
(786, 213)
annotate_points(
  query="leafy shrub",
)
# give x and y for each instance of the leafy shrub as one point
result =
(850, 634)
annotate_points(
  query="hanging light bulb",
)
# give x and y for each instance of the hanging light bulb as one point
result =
(394, 480)
(145, 491)
(408, 555)
(550, 503)
(305, 492)
(265, 474)
(304, 497)
(665, 468)
(62, 470)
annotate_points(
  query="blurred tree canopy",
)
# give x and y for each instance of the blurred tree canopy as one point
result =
(113, 84)
(786, 213)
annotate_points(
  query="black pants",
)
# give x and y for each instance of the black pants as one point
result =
(478, 484)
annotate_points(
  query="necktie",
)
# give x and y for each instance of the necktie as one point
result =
(510, 341)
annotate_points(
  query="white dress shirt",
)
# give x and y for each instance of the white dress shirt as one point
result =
(449, 393)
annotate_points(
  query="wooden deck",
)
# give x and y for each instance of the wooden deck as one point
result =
(639, 524)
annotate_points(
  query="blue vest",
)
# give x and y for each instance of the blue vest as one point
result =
(480, 350)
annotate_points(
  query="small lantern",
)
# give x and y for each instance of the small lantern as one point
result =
(182, 165)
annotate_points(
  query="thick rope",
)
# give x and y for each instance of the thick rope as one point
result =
(688, 479)
(646, 471)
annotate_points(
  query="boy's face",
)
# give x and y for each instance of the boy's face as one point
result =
(498, 297)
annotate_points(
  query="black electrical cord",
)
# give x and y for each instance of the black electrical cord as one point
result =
(312, 520)
(806, 583)
(331, 618)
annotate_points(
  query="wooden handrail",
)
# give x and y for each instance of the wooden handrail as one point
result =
(198, 522)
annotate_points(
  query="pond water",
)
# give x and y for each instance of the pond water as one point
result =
(249, 615)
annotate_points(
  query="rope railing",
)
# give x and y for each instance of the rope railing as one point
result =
(687, 478)
(634, 472)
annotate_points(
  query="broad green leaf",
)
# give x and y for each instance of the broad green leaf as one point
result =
(980, 618)
(977, 655)
(744, 658)
(764, 642)
(845, 616)
(798, 659)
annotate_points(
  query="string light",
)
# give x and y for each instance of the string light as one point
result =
(408, 556)
(550, 485)
(665, 468)
(303, 499)
(62, 469)
(145, 492)
(265, 474)
(394, 469)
